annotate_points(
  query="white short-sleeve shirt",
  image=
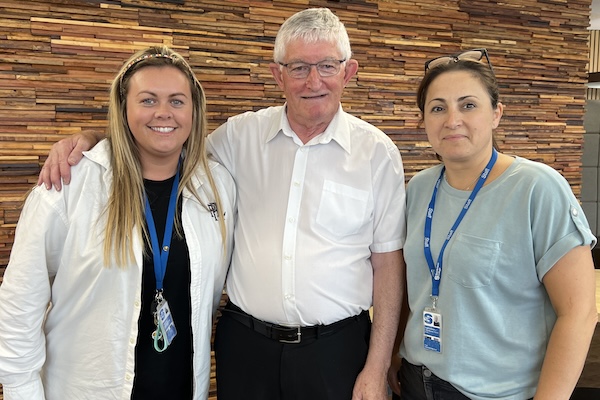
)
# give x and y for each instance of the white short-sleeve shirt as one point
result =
(310, 215)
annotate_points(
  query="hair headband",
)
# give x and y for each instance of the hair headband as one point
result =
(146, 57)
(139, 59)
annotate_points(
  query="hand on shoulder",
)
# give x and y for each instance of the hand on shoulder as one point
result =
(64, 154)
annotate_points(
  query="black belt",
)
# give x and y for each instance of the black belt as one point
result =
(289, 334)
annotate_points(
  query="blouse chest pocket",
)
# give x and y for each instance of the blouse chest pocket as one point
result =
(342, 209)
(472, 261)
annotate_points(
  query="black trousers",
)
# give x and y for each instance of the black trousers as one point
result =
(251, 366)
(418, 383)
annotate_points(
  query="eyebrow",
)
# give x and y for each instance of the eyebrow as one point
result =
(154, 94)
(306, 62)
(467, 97)
(462, 98)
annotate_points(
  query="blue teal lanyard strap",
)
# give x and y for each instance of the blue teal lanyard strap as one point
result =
(161, 255)
(436, 269)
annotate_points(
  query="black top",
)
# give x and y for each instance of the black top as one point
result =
(166, 375)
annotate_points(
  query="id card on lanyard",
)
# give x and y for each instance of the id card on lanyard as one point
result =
(165, 331)
(432, 317)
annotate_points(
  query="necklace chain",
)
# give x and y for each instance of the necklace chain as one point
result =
(468, 187)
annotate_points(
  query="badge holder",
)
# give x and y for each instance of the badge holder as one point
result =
(165, 330)
(432, 328)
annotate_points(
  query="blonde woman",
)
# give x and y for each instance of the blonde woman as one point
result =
(113, 281)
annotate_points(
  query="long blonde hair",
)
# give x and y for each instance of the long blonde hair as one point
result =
(125, 208)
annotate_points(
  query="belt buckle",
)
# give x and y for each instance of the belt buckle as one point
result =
(296, 335)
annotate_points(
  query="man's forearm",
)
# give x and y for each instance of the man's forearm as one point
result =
(388, 288)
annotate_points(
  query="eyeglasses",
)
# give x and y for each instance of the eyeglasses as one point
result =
(470, 55)
(300, 70)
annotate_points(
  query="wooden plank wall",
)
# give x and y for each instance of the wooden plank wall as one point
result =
(594, 62)
(57, 58)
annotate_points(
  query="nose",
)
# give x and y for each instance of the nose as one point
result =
(313, 80)
(454, 119)
(163, 110)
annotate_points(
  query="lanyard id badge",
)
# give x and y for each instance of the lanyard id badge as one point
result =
(432, 330)
(165, 330)
(165, 326)
(432, 318)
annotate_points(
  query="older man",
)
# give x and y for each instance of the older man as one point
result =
(319, 233)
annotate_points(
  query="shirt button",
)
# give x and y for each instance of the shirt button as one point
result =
(288, 296)
(288, 257)
(137, 303)
(574, 212)
(291, 220)
(132, 341)
(426, 373)
(296, 183)
(128, 377)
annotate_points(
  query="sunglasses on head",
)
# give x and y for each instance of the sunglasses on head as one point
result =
(470, 55)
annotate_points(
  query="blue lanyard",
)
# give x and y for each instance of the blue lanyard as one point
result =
(436, 269)
(161, 255)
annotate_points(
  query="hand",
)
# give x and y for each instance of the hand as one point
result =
(370, 385)
(393, 374)
(64, 154)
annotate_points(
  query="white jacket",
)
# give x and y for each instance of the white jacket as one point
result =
(68, 324)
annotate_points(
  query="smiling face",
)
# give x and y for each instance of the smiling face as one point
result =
(312, 102)
(159, 115)
(459, 118)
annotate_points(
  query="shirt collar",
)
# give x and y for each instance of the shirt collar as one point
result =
(338, 130)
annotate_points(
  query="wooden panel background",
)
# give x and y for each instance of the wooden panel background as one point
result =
(57, 58)
(594, 63)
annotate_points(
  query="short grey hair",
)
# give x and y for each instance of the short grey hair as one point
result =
(312, 25)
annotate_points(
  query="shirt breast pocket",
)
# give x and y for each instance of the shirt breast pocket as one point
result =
(343, 209)
(472, 261)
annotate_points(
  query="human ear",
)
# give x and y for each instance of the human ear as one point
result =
(276, 72)
(497, 115)
(350, 69)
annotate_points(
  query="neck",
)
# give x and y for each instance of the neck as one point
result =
(307, 133)
(159, 170)
(464, 175)
(459, 183)
(306, 130)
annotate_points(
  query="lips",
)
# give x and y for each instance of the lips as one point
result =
(454, 137)
(162, 129)
(314, 97)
